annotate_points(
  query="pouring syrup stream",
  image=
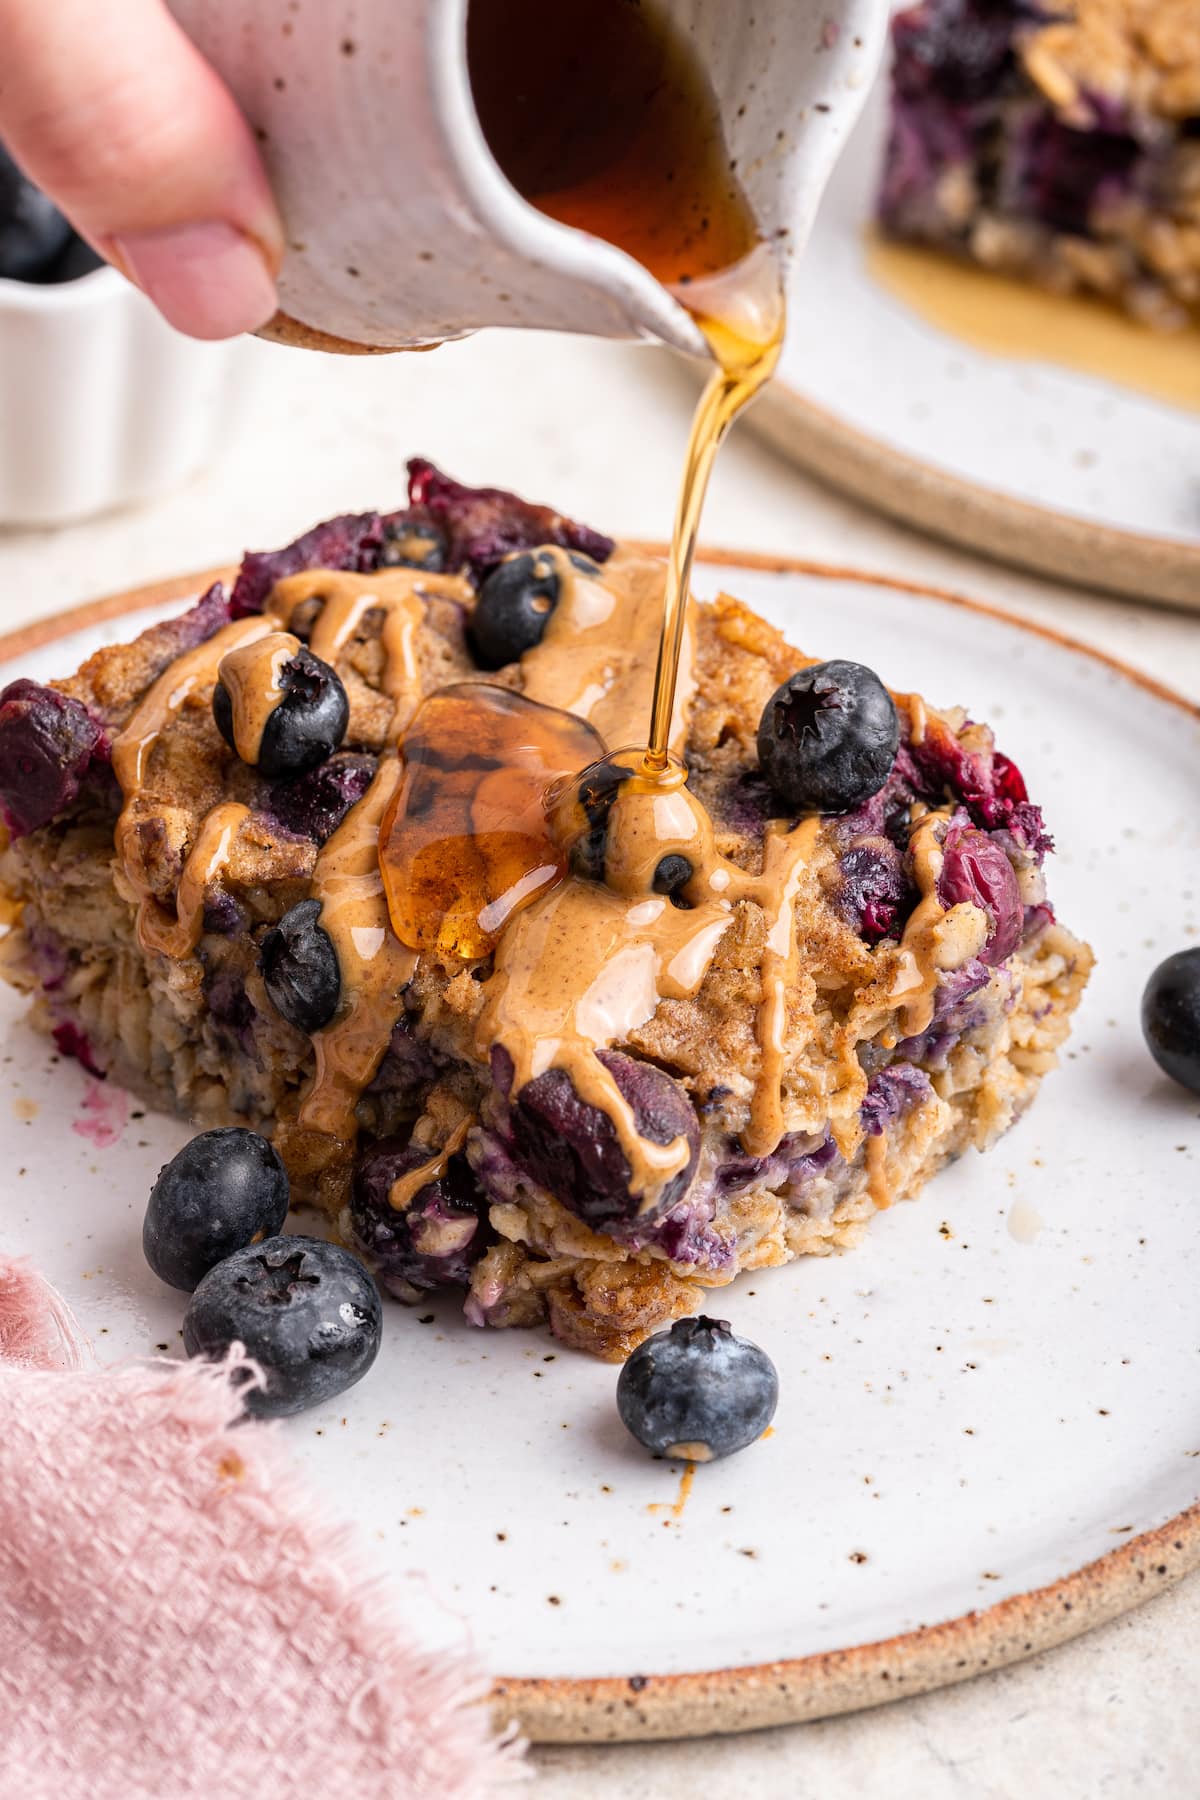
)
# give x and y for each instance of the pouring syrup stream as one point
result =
(601, 116)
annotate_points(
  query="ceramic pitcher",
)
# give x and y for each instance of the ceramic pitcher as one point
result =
(401, 228)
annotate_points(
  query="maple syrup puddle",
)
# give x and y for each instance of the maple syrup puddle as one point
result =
(465, 843)
(1005, 317)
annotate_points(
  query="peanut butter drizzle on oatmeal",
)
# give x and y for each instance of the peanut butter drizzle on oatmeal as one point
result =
(587, 965)
(786, 858)
(250, 676)
(878, 1185)
(399, 594)
(405, 1188)
(936, 937)
(374, 964)
(581, 969)
(161, 703)
(177, 934)
(596, 659)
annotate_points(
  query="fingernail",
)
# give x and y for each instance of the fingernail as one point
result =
(208, 280)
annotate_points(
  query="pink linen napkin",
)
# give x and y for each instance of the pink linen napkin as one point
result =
(177, 1619)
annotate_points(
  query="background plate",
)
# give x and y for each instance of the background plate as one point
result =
(989, 1430)
(1034, 464)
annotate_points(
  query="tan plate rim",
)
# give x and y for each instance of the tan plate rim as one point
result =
(640, 1707)
(1017, 532)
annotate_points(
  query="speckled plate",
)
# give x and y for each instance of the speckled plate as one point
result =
(989, 1431)
(1068, 473)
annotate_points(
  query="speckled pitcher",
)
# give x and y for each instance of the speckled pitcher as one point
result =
(401, 228)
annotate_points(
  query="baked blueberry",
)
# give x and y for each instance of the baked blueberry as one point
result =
(411, 542)
(1171, 1017)
(436, 1239)
(49, 744)
(673, 873)
(299, 967)
(223, 1190)
(307, 1312)
(307, 725)
(828, 737)
(572, 1149)
(697, 1391)
(513, 609)
(33, 233)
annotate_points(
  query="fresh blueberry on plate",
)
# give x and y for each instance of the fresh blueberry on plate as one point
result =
(307, 1312)
(513, 609)
(307, 725)
(299, 967)
(1171, 1017)
(223, 1190)
(697, 1391)
(828, 737)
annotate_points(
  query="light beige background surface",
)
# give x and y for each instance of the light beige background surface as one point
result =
(598, 429)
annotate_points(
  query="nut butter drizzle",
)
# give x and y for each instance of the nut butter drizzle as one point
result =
(248, 654)
(597, 656)
(250, 676)
(405, 1188)
(584, 968)
(375, 966)
(588, 965)
(195, 671)
(177, 934)
(935, 937)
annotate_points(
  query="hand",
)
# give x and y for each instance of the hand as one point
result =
(111, 110)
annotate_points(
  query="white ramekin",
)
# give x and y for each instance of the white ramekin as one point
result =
(102, 404)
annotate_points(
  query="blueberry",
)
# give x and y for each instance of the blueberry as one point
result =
(697, 1391)
(976, 869)
(412, 542)
(1171, 1017)
(571, 1148)
(223, 1190)
(315, 804)
(672, 874)
(435, 1241)
(299, 967)
(595, 792)
(49, 743)
(828, 737)
(307, 725)
(32, 230)
(513, 608)
(307, 1312)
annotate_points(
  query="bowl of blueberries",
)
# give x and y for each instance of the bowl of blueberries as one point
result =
(108, 406)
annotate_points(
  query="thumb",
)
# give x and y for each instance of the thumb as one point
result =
(113, 112)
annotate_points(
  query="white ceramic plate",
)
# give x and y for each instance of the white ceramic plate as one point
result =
(1001, 1387)
(1035, 464)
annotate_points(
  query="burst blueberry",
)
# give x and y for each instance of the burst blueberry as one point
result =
(672, 874)
(828, 737)
(224, 1189)
(1171, 1017)
(306, 726)
(697, 1391)
(299, 967)
(307, 1312)
(571, 1147)
(513, 608)
(436, 1239)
